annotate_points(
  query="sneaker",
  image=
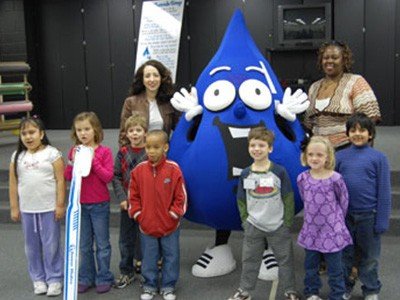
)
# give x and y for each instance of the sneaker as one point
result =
(55, 289)
(240, 295)
(314, 297)
(83, 288)
(169, 295)
(347, 296)
(39, 287)
(147, 295)
(103, 288)
(292, 296)
(124, 280)
(371, 297)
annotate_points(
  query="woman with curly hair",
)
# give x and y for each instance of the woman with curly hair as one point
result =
(150, 93)
(338, 95)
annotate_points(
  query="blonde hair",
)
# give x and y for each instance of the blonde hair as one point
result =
(94, 122)
(330, 152)
(137, 119)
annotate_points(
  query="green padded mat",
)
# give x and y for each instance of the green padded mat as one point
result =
(14, 88)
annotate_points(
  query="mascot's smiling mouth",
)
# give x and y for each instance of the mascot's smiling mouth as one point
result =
(235, 142)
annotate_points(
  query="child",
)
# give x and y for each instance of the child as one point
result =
(37, 192)
(324, 231)
(367, 176)
(266, 206)
(127, 158)
(95, 205)
(157, 198)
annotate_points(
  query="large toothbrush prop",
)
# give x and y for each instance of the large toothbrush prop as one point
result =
(82, 164)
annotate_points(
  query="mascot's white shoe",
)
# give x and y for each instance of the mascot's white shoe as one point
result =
(214, 261)
(269, 267)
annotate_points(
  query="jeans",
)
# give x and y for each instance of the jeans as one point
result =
(361, 227)
(95, 219)
(129, 243)
(169, 247)
(312, 281)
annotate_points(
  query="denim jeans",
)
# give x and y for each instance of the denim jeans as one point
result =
(95, 219)
(312, 281)
(129, 243)
(169, 247)
(361, 227)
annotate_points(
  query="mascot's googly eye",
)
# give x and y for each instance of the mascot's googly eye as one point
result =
(219, 95)
(255, 94)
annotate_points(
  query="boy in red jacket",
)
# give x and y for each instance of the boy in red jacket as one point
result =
(157, 198)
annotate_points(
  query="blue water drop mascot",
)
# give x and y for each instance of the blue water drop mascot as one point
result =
(237, 90)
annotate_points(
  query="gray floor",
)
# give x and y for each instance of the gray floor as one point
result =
(15, 283)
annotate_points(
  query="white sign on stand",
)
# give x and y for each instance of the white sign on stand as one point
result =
(159, 34)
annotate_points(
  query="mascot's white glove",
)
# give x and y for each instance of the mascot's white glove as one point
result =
(292, 104)
(188, 103)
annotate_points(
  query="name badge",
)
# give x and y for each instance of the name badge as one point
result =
(249, 184)
(267, 182)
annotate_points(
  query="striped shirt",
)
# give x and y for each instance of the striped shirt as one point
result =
(353, 94)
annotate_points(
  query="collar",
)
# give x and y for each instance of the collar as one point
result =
(159, 165)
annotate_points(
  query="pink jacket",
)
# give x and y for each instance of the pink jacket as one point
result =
(94, 187)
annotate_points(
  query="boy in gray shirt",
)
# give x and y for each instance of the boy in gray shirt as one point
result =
(266, 205)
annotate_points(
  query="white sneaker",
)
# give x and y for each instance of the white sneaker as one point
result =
(269, 267)
(214, 261)
(55, 289)
(347, 296)
(169, 295)
(314, 297)
(39, 288)
(147, 295)
(240, 295)
(372, 297)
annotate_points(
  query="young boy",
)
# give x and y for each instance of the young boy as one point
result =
(157, 198)
(266, 206)
(127, 158)
(367, 176)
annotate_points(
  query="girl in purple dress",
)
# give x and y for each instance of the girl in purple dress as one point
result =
(324, 232)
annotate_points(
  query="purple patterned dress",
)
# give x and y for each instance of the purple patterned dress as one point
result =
(325, 208)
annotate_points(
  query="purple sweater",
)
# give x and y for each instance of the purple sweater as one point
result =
(325, 208)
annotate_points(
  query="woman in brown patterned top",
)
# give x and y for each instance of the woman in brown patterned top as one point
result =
(338, 95)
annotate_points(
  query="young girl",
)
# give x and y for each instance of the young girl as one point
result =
(37, 192)
(324, 231)
(95, 205)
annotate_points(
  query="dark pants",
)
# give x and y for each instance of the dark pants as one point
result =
(129, 243)
(361, 227)
(312, 280)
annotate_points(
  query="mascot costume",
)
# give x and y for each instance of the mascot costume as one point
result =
(237, 90)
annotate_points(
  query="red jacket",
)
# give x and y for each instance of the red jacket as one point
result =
(157, 197)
